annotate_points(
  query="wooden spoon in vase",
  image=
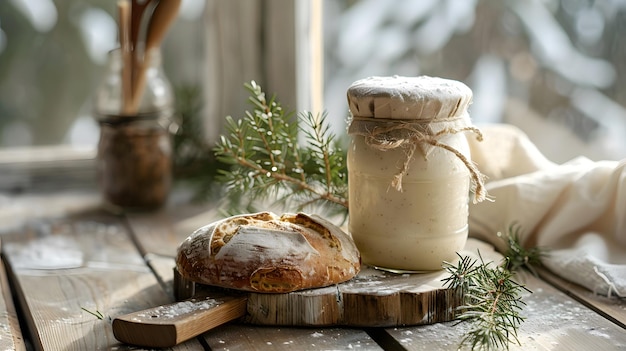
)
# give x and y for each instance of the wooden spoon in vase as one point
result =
(164, 14)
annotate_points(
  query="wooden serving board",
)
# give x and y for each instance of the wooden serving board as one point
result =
(374, 298)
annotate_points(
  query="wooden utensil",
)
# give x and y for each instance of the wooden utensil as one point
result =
(124, 23)
(165, 326)
(162, 17)
(138, 10)
(169, 325)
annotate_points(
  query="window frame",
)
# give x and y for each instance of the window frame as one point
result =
(244, 41)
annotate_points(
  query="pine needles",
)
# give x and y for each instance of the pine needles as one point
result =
(492, 303)
(519, 256)
(492, 299)
(267, 162)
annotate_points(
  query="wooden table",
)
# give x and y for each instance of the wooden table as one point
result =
(70, 267)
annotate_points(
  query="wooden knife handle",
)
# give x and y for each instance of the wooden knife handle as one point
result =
(169, 325)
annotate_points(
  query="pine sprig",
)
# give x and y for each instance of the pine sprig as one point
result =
(518, 255)
(492, 299)
(492, 302)
(462, 275)
(324, 161)
(267, 161)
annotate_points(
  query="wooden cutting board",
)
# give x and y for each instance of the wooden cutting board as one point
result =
(374, 298)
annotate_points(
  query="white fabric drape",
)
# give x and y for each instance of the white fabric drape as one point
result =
(576, 210)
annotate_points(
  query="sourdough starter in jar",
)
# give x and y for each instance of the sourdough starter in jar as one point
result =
(409, 170)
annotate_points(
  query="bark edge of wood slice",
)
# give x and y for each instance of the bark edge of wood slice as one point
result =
(374, 298)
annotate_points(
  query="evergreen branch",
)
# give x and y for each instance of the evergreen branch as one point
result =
(492, 300)
(266, 159)
(518, 255)
(297, 182)
(317, 141)
(320, 143)
(492, 303)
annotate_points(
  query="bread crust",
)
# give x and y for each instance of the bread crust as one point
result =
(263, 252)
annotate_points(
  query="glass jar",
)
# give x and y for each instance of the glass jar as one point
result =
(409, 171)
(134, 160)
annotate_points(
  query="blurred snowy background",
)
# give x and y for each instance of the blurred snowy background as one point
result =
(555, 68)
(53, 55)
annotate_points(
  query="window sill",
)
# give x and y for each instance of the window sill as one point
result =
(47, 168)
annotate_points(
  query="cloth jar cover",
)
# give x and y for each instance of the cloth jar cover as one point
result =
(576, 210)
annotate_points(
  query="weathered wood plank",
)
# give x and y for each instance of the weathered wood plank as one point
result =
(17, 210)
(236, 337)
(10, 332)
(613, 309)
(47, 167)
(64, 269)
(163, 267)
(159, 233)
(554, 321)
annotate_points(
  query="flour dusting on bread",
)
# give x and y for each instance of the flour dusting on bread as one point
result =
(263, 252)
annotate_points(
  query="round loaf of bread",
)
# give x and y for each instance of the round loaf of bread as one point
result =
(263, 252)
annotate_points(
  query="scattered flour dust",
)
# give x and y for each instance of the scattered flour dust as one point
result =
(599, 333)
(179, 309)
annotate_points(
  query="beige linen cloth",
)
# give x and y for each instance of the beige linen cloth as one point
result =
(577, 210)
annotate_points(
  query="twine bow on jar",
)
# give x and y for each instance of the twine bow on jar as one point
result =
(390, 134)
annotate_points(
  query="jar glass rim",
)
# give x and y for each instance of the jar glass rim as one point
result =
(125, 119)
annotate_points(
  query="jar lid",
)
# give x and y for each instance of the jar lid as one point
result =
(396, 97)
